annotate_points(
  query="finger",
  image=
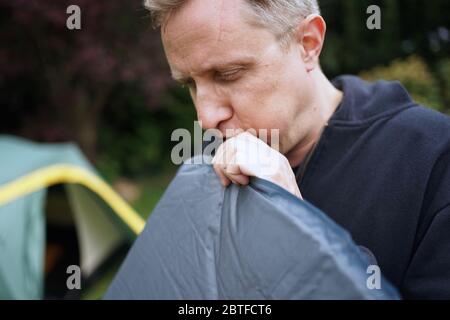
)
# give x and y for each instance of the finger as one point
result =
(233, 172)
(228, 152)
(240, 179)
(225, 164)
(218, 158)
(218, 163)
(224, 180)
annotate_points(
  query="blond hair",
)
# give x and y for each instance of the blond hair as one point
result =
(281, 16)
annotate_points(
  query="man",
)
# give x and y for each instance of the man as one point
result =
(366, 154)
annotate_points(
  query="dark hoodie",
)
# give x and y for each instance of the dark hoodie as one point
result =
(381, 170)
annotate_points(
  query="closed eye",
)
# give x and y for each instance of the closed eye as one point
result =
(228, 75)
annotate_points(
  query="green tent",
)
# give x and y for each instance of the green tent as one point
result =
(102, 220)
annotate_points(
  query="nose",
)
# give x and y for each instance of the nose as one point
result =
(212, 107)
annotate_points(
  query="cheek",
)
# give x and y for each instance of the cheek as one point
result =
(253, 106)
(265, 102)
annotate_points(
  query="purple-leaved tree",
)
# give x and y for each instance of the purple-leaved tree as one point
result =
(58, 81)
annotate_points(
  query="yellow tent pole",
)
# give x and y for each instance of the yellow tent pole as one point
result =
(60, 174)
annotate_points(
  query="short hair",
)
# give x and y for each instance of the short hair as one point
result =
(281, 16)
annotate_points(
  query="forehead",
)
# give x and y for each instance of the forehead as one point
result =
(202, 34)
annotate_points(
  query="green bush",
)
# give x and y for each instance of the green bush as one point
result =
(415, 75)
(443, 68)
(135, 140)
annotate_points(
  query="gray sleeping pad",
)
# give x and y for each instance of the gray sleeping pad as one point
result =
(203, 241)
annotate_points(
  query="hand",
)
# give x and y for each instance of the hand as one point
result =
(244, 156)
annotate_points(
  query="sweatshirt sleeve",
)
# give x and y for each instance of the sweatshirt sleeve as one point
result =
(428, 273)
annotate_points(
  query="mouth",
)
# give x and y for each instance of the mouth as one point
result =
(228, 133)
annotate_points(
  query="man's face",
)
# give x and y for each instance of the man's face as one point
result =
(238, 74)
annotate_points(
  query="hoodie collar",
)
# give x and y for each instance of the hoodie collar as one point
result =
(364, 102)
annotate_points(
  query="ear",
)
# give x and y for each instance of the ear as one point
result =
(311, 35)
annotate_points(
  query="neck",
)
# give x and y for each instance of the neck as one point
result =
(326, 99)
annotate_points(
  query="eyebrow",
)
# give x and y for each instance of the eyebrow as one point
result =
(182, 78)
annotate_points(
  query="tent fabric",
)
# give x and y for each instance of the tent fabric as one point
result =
(22, 241)
(22, 217)
(22, 221)
(204, 241)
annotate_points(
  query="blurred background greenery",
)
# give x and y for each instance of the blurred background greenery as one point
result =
(107, 86)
